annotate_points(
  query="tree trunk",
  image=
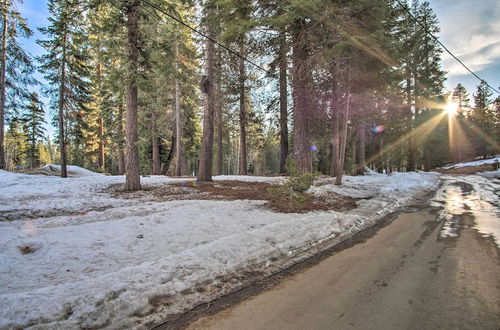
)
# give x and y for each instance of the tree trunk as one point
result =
(155, 146)
(360, 168)
(3, 59)
(101, 160)
(301, 100)
(335, 144)
(170, 156)
(102, 163)
(427, 157)
(207, 85)
(343, 133)
(219, 163)
(381, 153)
(411, 147)
(62, 88)
(178, 123)
(121, 152)
(243, 131)
(283, 104)
(132, 175)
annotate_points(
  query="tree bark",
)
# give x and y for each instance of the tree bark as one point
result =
(219, 167)
(155, 146)
(427, 157)
(283, 104)
(205, 167)
(301, 100)
(132, 175)
(411, 147)
(178, 122)
(3, 59)
(335, 144)
(121, 152)
(343, 133)
(381, 153)
(101, 128)
(360, 168)
(170, 156)
(243, 131)
(62, 88)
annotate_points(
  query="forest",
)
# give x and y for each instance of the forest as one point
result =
(203, 88)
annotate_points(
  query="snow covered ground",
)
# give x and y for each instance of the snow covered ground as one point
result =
(104, 261)
(475, 163)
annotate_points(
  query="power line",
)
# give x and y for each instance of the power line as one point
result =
(443, 46)
(206, 37)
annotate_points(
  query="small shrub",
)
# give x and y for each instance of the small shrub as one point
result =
(291, 193)
(300, 183)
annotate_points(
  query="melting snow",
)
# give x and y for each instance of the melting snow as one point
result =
(103, 261)
(482, 202)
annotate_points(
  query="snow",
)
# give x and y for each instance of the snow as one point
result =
(104, 261)
(490, 174)
(475, 163)
(481, 201)
(71, 170)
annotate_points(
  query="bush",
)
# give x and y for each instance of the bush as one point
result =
(292, 191)
(300, 183)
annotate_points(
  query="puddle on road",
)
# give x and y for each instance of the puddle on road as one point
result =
(469, 195)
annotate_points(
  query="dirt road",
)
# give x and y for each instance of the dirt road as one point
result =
(407, 276)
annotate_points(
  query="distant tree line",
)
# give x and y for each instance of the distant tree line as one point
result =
(334, 86)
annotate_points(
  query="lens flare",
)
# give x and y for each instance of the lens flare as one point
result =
(378, 129)
(451, 108)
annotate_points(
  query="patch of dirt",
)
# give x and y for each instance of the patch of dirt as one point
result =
(25, 249)
(238, 190)
(467, 169)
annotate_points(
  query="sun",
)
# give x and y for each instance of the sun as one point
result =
(451, 108)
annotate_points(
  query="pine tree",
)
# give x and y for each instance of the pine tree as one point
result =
(33, 123)
(15, 145)
(461, 97)
(483, 120)
(65, 68)
(16, 68)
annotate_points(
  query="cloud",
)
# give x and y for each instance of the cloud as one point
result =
(471, 30)
(476, 60)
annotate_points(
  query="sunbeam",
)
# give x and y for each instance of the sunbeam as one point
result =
(423, 130)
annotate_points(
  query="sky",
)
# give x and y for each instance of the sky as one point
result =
(469, 29)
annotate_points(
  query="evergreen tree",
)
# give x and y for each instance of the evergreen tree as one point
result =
(33, 121)
(15, 145)
(16, 68)
(461, 98)
(483, 121)
(65, 66)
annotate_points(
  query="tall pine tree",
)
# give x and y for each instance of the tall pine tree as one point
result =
(65, 68)
(33, 122)
(16, 67)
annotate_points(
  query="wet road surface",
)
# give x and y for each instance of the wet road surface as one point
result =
(432, 268)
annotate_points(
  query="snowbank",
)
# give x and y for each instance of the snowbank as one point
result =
(130, 263)
(73, 171)
(475, 163)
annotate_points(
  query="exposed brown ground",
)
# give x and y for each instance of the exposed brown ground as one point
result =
(238, 190)
(467, 169)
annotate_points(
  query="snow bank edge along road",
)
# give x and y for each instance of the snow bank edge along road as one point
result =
(132, 265)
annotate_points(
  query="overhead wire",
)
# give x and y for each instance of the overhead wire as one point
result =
(180, 21)
(443, 46)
